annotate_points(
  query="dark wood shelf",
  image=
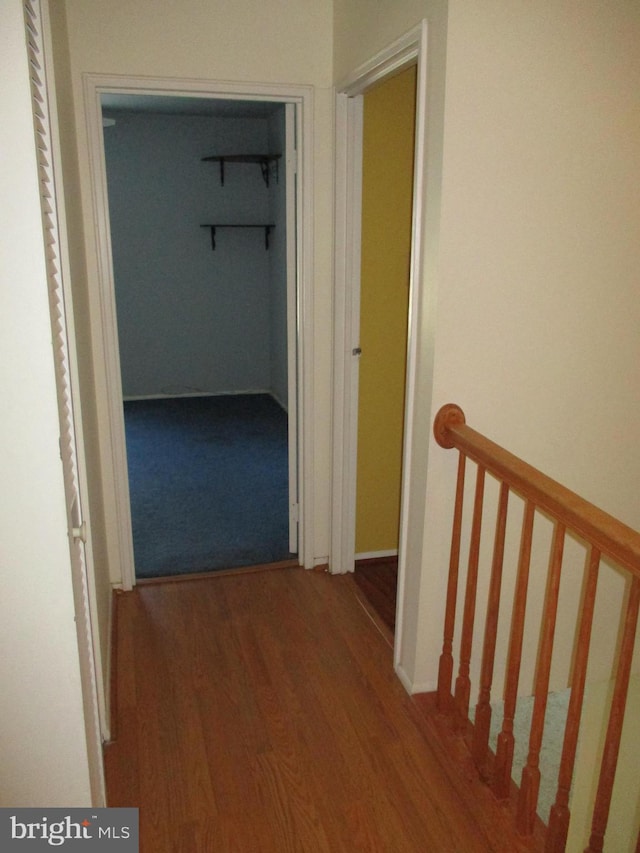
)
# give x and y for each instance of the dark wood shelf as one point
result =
(263, 160)
(268, 226)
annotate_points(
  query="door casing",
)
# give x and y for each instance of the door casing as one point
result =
(410, 49)
(105, 336)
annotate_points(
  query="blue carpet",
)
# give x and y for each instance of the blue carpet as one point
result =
(208, 483)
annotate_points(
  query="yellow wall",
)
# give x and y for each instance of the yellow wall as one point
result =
(387, 182)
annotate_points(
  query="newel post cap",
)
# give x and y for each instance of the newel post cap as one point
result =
(448, 416)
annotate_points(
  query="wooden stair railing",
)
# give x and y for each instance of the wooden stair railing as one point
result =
(605, 537)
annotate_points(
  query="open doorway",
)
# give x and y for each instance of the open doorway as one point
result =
(388, 150)
(408, 51)
(297, 103)
(203, 254)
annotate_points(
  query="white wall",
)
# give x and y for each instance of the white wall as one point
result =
(538, 303)
(190, 320)
(214, 41)
(530, 295)
(43, 757)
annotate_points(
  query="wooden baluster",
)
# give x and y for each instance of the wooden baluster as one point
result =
(463, 683)
(559, 816)
(616, 719)
(529, 787)
(504, 749)
(445, 670)
(483, 708)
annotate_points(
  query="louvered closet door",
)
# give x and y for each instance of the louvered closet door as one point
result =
(54, 233)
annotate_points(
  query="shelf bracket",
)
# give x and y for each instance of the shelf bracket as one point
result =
(268, 228)
(265, 166)
(263, 160)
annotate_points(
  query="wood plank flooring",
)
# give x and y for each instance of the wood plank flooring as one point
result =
(377, 579)
(260, 712)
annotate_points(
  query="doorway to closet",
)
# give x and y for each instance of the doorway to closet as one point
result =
(202, 224)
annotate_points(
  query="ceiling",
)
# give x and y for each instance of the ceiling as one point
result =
(186, 105)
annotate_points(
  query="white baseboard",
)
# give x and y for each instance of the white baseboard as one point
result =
(277, 399)
(424, 687)
(414, 687)
(177, 396)
(373, 555)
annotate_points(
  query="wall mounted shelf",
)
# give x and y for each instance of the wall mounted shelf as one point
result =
(263, 160)
(214, 225)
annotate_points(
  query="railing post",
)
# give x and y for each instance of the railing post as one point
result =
(616, 719)
(448, 415)
(463, 682)
(529, 787)
(445, 669)
(482, 723)
(505, 745)
(559, 816)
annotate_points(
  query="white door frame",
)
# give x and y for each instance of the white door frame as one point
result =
(410, 49)
(292, 323)
(112, 443)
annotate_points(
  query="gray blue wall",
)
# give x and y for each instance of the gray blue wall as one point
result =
(191, 320)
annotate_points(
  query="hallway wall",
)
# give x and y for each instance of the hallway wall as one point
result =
(530, 308)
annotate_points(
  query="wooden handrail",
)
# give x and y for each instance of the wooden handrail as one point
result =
(613, 538)
(604, 536)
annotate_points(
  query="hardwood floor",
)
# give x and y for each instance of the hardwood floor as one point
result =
(377, 580)
(260, 712)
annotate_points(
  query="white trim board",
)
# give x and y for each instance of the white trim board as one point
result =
(408, 50)
(106, 354)
(250, 392)
(205, 394)
(376, 555)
